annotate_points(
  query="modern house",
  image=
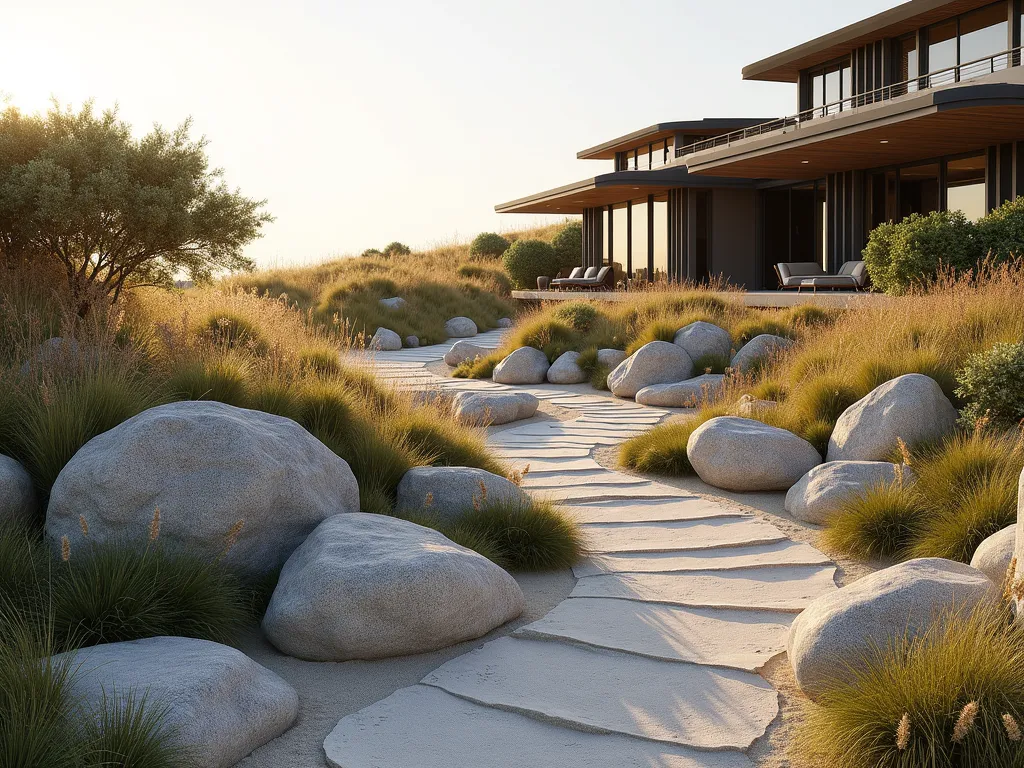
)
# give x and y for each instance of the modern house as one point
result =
(916, 109)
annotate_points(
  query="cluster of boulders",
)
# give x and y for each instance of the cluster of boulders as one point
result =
(260, 493)
(386, 340)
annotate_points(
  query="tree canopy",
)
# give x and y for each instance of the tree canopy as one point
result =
(115, 211)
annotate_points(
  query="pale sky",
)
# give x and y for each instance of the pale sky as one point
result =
(371, 121)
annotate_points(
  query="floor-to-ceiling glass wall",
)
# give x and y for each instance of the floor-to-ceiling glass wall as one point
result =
(661, 238)
(620, 238)
(965, 185)
(795, 221)
(640, 237)
(970, 45)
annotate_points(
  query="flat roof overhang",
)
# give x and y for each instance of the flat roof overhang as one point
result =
(614, 188)
(907, 17)
(709, 126)
(915, 127)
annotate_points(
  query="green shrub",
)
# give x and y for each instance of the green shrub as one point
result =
(662, 451)
(533, 537)
(579, 315)
(488, 244)
(925, 684)
(111, 593)
(396, 248)
(497, 277)
(526, 260)
(568, 245)
(224, 380)
(879, 524)
(234, 331)
(128, 730)
(371, 252)
(910, 253)
(1001, 232)
(992, 386)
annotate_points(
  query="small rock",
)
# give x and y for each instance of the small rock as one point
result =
(492, 408)
(220, 704)
(746, 455)
(758, 350)
(832, 639)
(682, 394)
(911, 408)
(396, 302)
(994, 555)
(658, 362)
(452, 491)
(460, 328)
(412, 341)
(702, 339)
(821, 492)
(385, 340)
(566, 370)
(610, 358)
(527, 365)
(18, 505)
(208, 467)
(505, 322)
(749, 406)
(370, 586)
(462, 351)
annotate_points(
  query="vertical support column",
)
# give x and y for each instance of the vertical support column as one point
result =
(650, 238)
(1018, 176)
(611, 235)
(1005, 173)
(678, 269)
(691, 236)
(629, 239)
(992, 179)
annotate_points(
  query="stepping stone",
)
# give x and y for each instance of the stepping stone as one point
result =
(584, 688)
(587, 493)
(779, 553)
(555, 466)
(651, 510)
(402, 731)
(537, 438)
(784, 588)
(520, 452)
(735, 639)
(585, 478)
(682, 535)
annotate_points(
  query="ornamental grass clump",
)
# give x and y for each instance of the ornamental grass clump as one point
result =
(880, 523)
(954, 696)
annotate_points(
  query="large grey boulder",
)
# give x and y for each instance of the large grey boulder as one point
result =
(505, 322)
(18, 505)
(492, 408)
(462, 351)
(526, 365)
(683, 394)
(396, 302)
(220, 704)
(911, 408)
(658, 362)
(746, 455)
(610, 358)
(412, 341)
(758, 350)
(370, 586)
(839, 632)
(994, 555)
(209, 468)
(385, 340)
(448, 492)
(702, 339)
(821, 492)
(566, 370)
(460, 328)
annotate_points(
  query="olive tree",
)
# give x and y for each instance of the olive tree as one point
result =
(115, 211)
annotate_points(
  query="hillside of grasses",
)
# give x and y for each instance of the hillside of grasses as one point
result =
(437, 284)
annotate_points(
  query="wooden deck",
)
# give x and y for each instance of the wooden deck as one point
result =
(766, 299)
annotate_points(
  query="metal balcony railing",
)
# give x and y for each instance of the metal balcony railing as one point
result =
(660, 160)
(959, 73)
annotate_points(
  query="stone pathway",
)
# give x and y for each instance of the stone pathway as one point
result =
(652, 660)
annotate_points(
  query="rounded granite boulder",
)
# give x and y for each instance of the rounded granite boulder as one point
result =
(659, 362)
(759, 350)
(449, 492)
(526, 365)
(746, 455)
(701, 339)
(371, 586)
(683, 394)
(483, 409)
(385, 340)
(460, 328)
(566, 370)
(18, 504)
(994, 555)
(462, 351)
(821, 492)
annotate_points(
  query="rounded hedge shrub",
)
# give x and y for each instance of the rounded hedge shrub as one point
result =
(370, 252)
(568, 245)
(1001, 233)
(397, 249)
(900, 256)
(992, 386)
(578, 314)
(488, 244)
(526, 260)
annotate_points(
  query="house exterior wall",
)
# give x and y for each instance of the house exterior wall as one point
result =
(734, 241)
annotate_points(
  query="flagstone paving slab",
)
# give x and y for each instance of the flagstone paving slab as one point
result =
(405, 731)
(685, 704)
(779, 553)
(678, 535)
(730, 638)
(783, 588)
(651, 510)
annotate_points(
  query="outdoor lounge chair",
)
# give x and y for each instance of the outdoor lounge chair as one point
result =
(852, 275)
(594, 279)
(576, 274)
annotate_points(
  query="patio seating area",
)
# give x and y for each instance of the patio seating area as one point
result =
(800, 275)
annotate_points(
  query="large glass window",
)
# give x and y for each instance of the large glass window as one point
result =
(942, 52)
(639, 235)
(831, 87)
(620, 236)
(919, 189)
(906, 61)
(965, 186)
(661, 239)
(983, 34)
